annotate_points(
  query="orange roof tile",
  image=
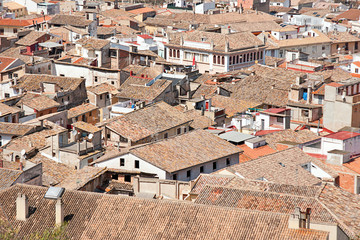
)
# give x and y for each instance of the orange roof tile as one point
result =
(5, 62)
(353, 165)
(334, 84)
(356, 64)
(348, 57)
(141, 10)
(256, 152)
(320, 90)
(15, 22)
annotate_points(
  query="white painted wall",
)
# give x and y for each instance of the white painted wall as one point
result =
(130, 165)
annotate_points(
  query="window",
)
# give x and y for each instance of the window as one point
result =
(7, 95)
(185, 130)
(107, 96)
(49, 67)
(62, 75)
(201, 169)
(127, 178)
(101, 97)
(137, 164)
(114, 176)
(96, 79)
(6, 119)
(227, 161)
(178, 131)
(10, 75)
(122, 162)
(112, 82)
(39, 69)
(304, 113)
(1, 31)
(188, 174)
(214, 165)
(174, 177)
(279, 119)
(90, 113)
(356, 70)
(356, 46)
(15, 30)
(166, 135)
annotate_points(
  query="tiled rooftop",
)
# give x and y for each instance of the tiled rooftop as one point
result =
(186, 150)
(112, 217)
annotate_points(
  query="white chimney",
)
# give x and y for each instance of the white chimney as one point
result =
(22, 207)
(59, 212)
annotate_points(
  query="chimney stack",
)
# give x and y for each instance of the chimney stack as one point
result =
(59, 212)
(22, 207)
(300, 219)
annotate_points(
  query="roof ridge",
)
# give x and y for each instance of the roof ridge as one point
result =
(266, 190)
(341, 223)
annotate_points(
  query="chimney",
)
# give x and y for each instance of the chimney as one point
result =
(59, 212)
(300, 219)
(22, 207)
(78, 147)
(226, 45)
(309, 94)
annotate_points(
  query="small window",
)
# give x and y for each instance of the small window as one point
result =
(62, 75)
(15, 30)
(214, 165)
(112, 82)
(185, 130)
(279, 119)
(178, 130)
(96, 79)
(39, 69)
(122, 162)
(201, 169)
(101, 97)
(10, 76)
(49, 67)
(137, 164)
(174, 177)
(107, 96)
(90, 113)
(188, 174)
(356, 70)
(114, 176)
(7, 95)
(6, 119)
(166, 135)
(127, 178)
(227, 161)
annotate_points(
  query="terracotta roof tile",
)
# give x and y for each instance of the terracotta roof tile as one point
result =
(81, 109)
(186, 150)
(281, 167)
(148, 121)
(112, 217)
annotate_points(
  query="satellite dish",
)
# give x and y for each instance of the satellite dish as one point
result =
(23, 152)
(74, 132)
(90, 136)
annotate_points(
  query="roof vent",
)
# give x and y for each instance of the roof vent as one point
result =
(54, 193)
(281, 164)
